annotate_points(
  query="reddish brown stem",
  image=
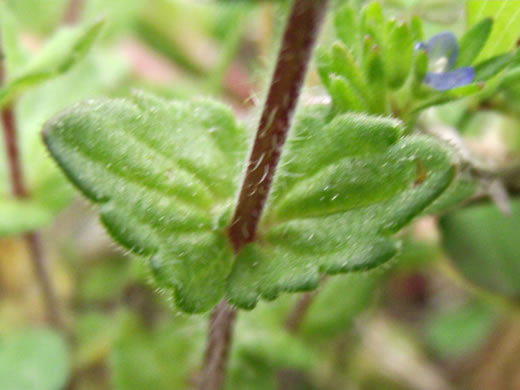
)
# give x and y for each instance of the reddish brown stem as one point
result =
(73, 12)
(20, 191)
(35, 246)
(293, 59)
(297, 315)
(221, 326)
(295, 52)
(12, 152)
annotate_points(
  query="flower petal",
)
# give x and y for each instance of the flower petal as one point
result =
(449, 80)
(443, 51)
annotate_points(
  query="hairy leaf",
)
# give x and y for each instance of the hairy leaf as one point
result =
(342, 190)
(164, 174)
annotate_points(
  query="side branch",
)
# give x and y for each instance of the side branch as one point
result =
(293, 59)
(20, 191)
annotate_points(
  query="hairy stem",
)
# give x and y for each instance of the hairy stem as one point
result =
(295, 52)
(293, 59)
(20, 191)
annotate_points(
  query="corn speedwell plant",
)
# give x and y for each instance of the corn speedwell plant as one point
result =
(224, 220)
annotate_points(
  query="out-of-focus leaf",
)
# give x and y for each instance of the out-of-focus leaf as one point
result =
(458, 332)
(67, 47)
(472, 42)
(399, 53)
(33, 359)
(506, 30)
(13, 54)
(106, 280)
(341, 299)
(36, 15)
(159, 359)
(483, 246)
(18, 216)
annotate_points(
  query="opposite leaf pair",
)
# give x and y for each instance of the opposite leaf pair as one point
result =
(166, 173)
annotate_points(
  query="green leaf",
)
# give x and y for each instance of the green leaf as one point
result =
(65, 49)
(13, 54)
(342, 63)
(376, 74)
(164, 174)
(158, 359)
(347, 29)
(483, 246)
(492, 66)
(18, 216)
(344, 96)
(473, 41)
(399, 53)
(461, 189)
(36, 15)
(505, 31)
(373, 22)
(420, 68)
(416, 29)
(338, 197)
(330, 315)
(457, 333)
(33, 359)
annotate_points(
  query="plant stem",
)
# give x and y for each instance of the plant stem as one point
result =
(34, 243)
(293, 59)
(298, 312)
(295, 52)
(221, 327)
(73, 12)
(20, 191)
(13, 153)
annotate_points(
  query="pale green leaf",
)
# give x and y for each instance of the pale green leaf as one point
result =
(164, 174)
(67, 47)
(14, 56)
(18, 216)
(33, 359)
(506, 29)
(158, 359)
(399, 53)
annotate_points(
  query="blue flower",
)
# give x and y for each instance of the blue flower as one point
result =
(443, 51)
